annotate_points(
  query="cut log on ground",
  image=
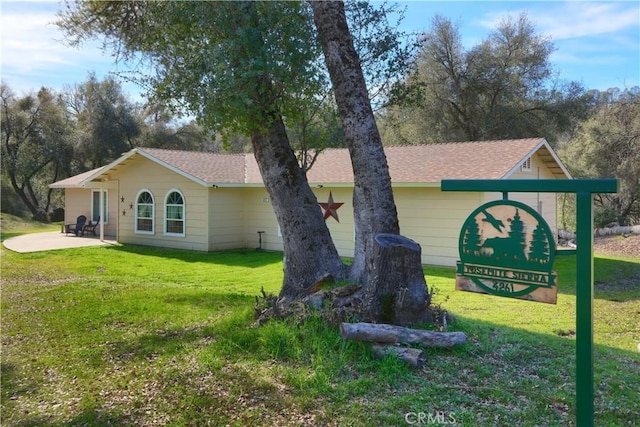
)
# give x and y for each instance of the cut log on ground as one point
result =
(383, 333)
(413, 356)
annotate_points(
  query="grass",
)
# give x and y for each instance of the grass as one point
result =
(127, 335)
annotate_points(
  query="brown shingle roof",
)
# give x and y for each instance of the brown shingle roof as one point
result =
(417, 164)
(75, 181)
(207, 167)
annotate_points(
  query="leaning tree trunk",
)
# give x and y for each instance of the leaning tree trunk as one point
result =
(373, 204)
(310, 255)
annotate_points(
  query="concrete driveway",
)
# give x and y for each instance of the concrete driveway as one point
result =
(51, 240)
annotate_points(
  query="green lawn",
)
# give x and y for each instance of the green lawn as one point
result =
(127, 335)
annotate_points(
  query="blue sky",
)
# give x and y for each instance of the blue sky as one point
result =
(597, 43)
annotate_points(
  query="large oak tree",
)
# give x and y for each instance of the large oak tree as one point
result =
(251, 67)
(240, 68)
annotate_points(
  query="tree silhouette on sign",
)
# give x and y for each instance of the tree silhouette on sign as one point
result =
(539, 250)
(517, 236)
(471, 242)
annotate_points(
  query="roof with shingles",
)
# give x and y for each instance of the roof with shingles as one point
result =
(416, 164)
(75, 181)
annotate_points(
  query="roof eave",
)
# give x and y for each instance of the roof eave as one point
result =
(147, 156)
(543, 143)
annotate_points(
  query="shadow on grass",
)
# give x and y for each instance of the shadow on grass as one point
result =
(239, 257)
(524, 363)
(264, 376)
(498, 366)
(171, 341)
(13, 388)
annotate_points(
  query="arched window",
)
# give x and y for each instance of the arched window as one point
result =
(174, 213)
(144, 212)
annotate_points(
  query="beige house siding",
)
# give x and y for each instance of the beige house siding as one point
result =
(427, 215)
(77, 202)
(141, 174)
(343, 232)
(226, 204)
(226, 218)
(259, 216)
(433, 219)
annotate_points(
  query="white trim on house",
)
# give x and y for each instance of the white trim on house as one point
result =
(103, 216)
(545, 144)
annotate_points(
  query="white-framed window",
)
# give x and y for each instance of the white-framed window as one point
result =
(526, 166)
(145, 212)
(95, 207)
(174, 213)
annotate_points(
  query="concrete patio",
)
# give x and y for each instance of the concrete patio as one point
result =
(53, 240)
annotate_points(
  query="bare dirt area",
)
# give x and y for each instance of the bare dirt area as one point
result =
(618, 245)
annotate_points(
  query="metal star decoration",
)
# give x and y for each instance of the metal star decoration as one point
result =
(331, 208)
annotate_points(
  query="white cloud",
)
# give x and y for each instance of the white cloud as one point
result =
(580, 19)
(574, 19)
(33, 51)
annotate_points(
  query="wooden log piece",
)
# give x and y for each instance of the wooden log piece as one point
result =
(383, 333)
(413, 356)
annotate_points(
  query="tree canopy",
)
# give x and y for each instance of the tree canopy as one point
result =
(504, 87)
(607, 145)
(48, 136)
(36, 146)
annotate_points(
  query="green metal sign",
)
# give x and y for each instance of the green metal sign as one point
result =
(507, 249)
(584, 189)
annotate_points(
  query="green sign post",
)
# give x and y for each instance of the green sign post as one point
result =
(584, 190)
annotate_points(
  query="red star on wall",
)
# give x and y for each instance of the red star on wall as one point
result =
(331, 208)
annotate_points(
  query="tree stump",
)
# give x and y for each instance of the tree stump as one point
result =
(397, 292)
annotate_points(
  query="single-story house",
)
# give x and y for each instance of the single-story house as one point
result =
(211, 202)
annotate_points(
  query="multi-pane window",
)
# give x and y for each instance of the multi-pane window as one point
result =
(144, 212)
(174, 213)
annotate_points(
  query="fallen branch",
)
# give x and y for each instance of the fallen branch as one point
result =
(413, 356)
(383, 333)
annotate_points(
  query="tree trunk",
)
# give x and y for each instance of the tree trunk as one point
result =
(309, 252)
(373, 204)
(391, 334)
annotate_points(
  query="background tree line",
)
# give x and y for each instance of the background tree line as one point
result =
(503, 87)
(48, 136)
